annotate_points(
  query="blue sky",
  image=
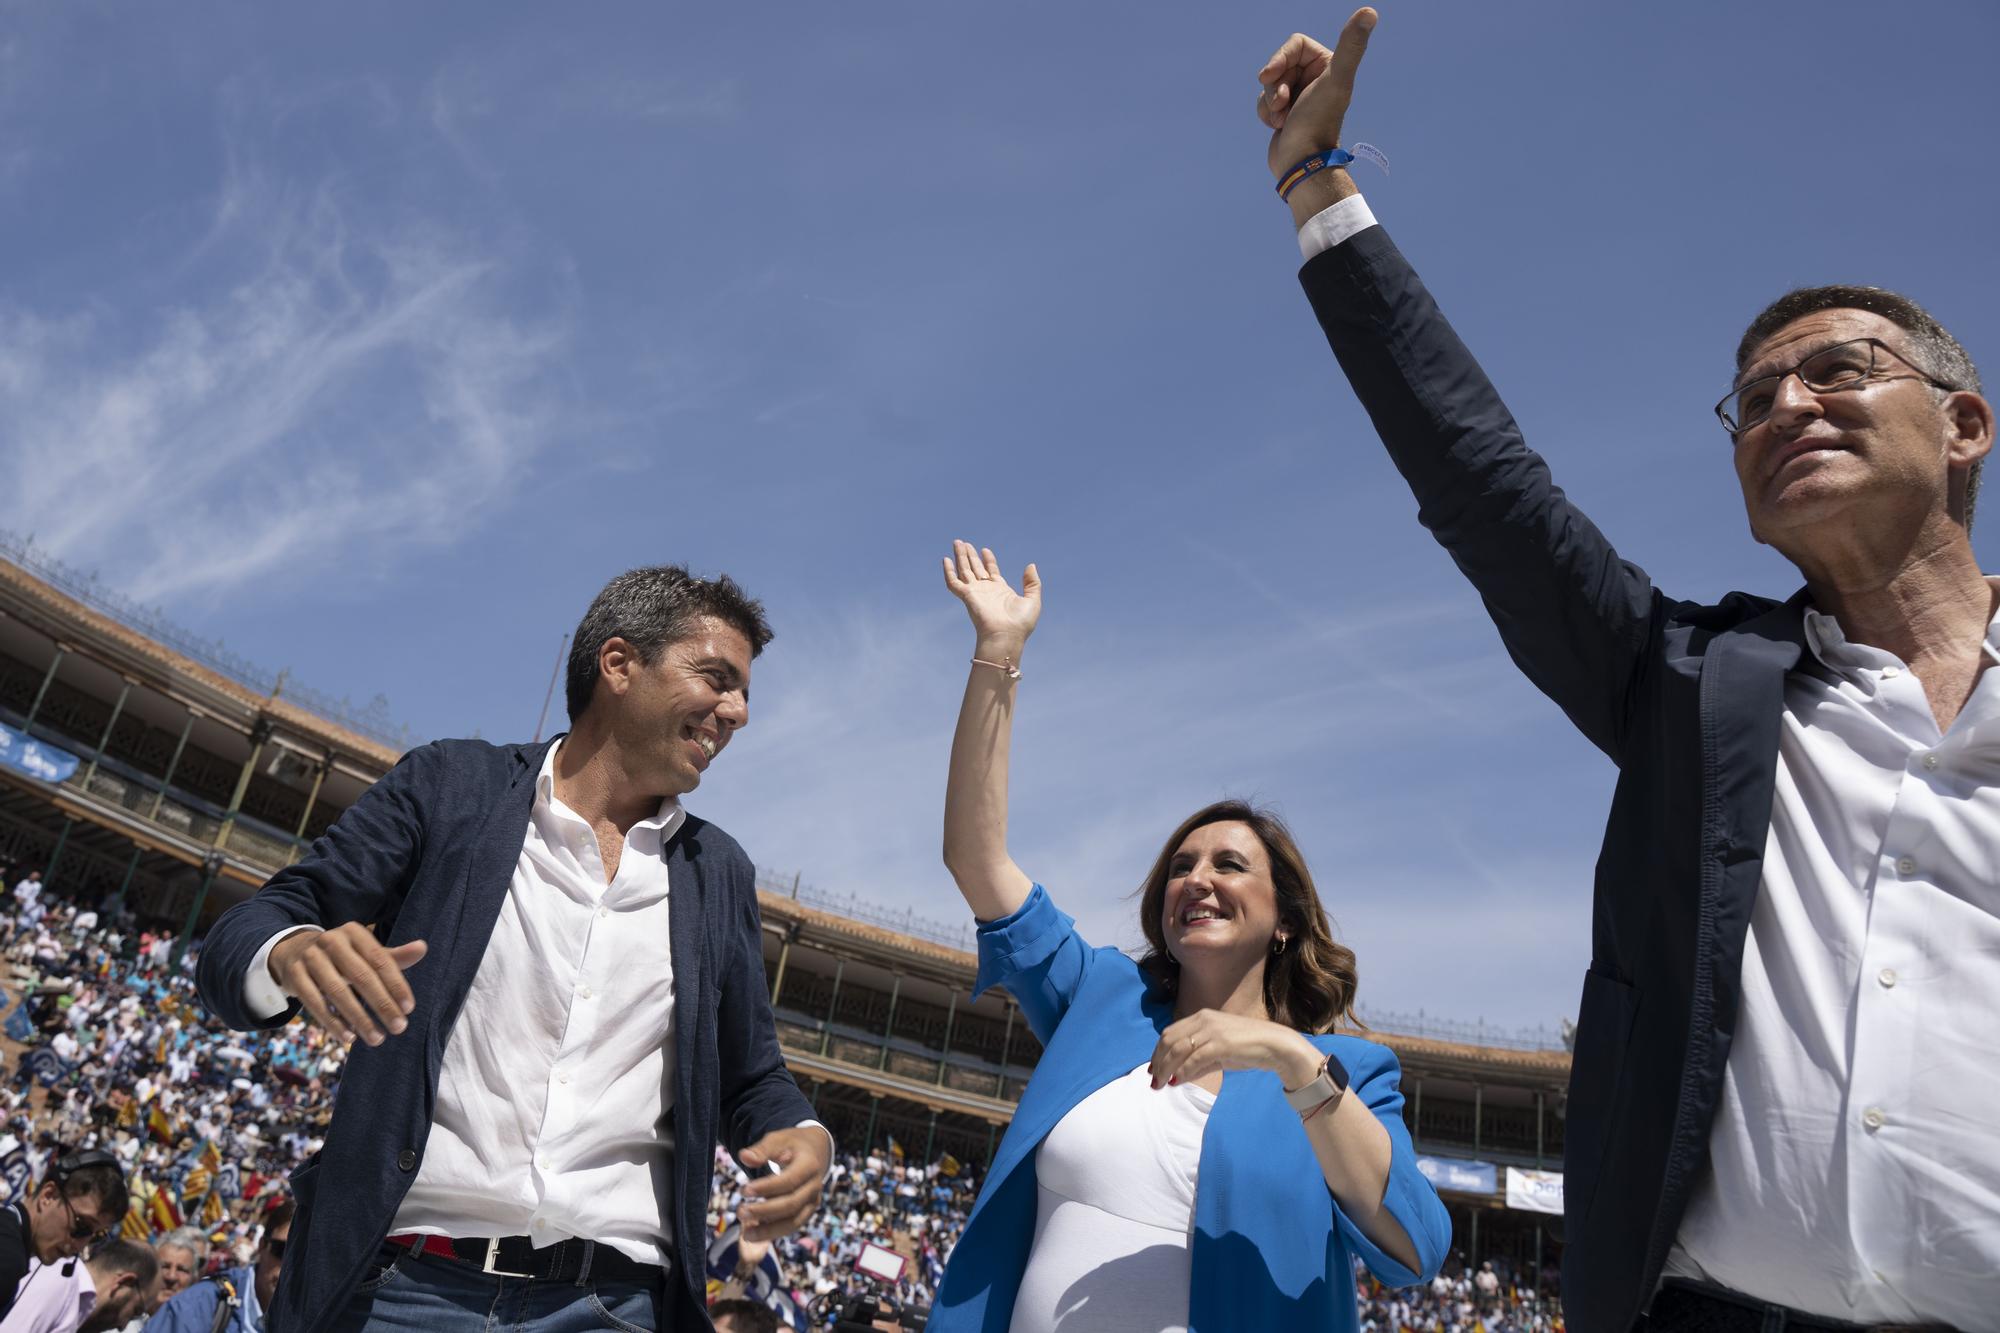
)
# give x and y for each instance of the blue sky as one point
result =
(372, 339)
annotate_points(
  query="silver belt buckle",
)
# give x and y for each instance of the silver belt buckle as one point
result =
(492, 1250)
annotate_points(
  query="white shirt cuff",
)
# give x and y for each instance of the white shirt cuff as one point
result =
(1330, 226)
(262, 995)
(831, 1147)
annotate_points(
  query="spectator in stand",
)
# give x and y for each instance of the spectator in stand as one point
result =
(102, 1292)
(81, 1199)
(183, 1259)
(246, 1290)
(28, 893)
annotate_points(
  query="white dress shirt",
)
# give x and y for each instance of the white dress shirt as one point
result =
(553, 1113)
(1855, 1163)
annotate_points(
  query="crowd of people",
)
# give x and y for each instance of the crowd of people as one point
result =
(205, 1125)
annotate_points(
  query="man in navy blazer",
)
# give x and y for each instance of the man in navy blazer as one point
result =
(1783, 1089)
(553, 981)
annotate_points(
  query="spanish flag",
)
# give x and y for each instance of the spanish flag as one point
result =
(161, 1128)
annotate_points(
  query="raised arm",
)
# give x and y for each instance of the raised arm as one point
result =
(1575, 617)
(975, 793)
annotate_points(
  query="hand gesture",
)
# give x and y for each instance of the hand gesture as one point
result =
(349, 984)
(1306, 92)
(781, 1201)
(1210, 1040)
(1002, 618)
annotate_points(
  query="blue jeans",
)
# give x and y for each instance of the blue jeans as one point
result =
(426, 1294)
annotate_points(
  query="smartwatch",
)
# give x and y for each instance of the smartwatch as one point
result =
(1324, 1088)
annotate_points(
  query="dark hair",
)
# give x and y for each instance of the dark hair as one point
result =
(1311, 985)
(650, 608)
(279, 1214)
(119, 1255)
(750, 1316)
(1937, 353)
(100, 1181)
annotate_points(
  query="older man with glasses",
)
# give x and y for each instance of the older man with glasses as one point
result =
(1782, 1098)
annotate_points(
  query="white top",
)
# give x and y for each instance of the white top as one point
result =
(1856, 1165)
(1856, 1156)
(1114, 1209)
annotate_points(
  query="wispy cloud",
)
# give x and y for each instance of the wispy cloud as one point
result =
(310, 380)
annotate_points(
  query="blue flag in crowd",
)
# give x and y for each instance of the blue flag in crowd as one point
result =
(44, 1066)
(15, 1168)
(19, 1026)
(766, 1285)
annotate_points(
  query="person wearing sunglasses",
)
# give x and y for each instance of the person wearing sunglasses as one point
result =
(1782, 1094)
(245, 1291)
(78, 1204)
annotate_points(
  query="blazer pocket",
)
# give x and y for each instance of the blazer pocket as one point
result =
(1603, 1033)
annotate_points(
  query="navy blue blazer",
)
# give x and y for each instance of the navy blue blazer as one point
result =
(428, 853)
(1685, 699)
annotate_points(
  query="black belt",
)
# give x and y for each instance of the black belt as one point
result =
(519, 1256)
(1692, 1307)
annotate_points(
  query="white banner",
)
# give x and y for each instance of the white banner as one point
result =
(1535, 1191)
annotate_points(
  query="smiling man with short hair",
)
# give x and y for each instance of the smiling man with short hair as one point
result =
(529, 1115)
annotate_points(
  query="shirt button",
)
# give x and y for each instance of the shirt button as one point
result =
(1887, 976)
(1905, 865)
(603, 912)
(1890, 673)
(1873, 1118)
(585, 991)
(1930, 763)
(564, 1078)
(544, 1163)
(406, 1160)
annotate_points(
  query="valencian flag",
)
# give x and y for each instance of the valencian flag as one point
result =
(160, 1209)
(200, 1177)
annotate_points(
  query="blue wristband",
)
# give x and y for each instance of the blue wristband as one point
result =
(1331, 157)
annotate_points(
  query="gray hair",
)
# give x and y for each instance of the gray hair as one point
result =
(192, 1239)
(1938, 354)
(649, 609)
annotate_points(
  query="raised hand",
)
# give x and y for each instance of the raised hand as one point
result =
(1306, 89)
(1001, 618)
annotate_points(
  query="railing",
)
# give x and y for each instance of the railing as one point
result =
(370, 720)
(1475, 1033)
(853, 906)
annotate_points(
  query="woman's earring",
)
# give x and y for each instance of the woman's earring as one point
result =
(1280, 949)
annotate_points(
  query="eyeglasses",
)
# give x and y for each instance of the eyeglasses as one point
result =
(82, 1229)
(1848, 365)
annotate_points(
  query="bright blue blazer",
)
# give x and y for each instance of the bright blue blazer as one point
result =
(1271, 1248)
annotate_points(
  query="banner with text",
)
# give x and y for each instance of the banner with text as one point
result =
(38, 759)
(1453, 1173)
(1535, 1191)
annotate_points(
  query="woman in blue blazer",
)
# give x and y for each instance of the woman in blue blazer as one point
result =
(1197, 1150)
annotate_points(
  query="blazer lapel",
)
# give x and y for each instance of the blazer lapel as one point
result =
(687, 928)
(489, 873)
